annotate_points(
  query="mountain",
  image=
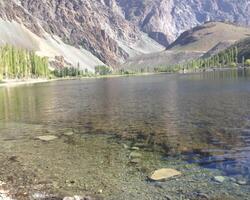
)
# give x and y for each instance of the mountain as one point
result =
(91, 33)
(209, 35)
(165, 20)
(83, 32)
(204, 40)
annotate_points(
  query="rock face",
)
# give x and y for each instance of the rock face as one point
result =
(165, 20)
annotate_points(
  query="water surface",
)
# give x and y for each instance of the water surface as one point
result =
(202, 119)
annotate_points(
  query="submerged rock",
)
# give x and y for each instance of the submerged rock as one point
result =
(47, 138)
(78, 198)
(135, 161)
(68, 133)
(164, 174)
(135, 148)
(125, 146)
(134, 155)
(242, 182)
(219, 179)
(141, 145)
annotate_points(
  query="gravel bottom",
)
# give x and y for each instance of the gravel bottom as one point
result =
(100, 167)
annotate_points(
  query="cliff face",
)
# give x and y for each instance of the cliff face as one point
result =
(165, 20)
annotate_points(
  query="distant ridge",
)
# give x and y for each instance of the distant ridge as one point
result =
(207, 36)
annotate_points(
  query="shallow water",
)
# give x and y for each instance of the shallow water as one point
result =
(197, 123)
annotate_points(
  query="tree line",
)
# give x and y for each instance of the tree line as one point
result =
(100, 70)
(17, 63)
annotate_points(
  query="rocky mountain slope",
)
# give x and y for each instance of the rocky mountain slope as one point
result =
(165, 20)
(90, 30)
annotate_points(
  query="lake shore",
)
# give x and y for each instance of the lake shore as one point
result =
(18, 82)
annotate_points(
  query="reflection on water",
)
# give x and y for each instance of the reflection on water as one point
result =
(206, 117)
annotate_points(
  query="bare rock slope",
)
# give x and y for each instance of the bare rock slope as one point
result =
(165, 20)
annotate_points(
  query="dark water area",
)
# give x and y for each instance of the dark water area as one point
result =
(201, 118)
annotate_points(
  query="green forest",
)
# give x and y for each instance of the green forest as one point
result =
(17, 63)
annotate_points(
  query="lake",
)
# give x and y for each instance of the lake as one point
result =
(196, 123)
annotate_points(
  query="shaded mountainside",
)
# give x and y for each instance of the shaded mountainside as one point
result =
(150, 61)
(244, 49)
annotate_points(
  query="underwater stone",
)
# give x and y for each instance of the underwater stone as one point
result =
(47, 138)
(69, 133)
(164, 174)
(219, 179)
(135, 155)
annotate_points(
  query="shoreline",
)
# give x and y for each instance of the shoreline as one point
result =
(30, 81)
(18, 82)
